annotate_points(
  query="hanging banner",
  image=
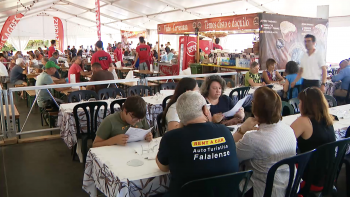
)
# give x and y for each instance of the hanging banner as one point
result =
(227, 23)
(177, 27)
(59, 33)
(130, 34)
(8, 27)
(282, 37)
(98, 21)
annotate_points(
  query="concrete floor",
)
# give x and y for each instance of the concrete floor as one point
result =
(42, 169)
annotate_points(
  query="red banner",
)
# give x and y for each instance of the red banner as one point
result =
(98, 21)
(177, 27)
(59, 33)
(8, 27)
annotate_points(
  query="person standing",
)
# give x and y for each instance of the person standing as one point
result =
(216, 44)
(52, 48)
(74, 51)
(118, 53)
(102, 57)
(312, 66)
(143, 52)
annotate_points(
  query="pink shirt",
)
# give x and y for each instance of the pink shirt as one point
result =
(74, 69)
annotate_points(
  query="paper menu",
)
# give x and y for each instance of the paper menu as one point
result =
(236, 108)
(136, 134)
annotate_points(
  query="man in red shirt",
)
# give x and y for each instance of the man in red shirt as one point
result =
(52, 48)
(77, 70)
(118, 53)
(102, 57)
(216, 44)
(143, 52)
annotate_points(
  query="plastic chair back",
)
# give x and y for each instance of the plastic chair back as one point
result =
(326, 160)
(165, 101)
(139, 90)
(291, 90)
(224, 185)
(287, 109)
(79, 95)
(161, 129)
(242, 92)
(294, 102)
(120, 102)
(294, 178)
(331, 100)
(168, 86)
(107, 93)
(199, 83)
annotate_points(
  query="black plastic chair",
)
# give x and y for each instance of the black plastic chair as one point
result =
(326, 160)
(91, 111)
(165, 100)
(297, 87)
(199, 83)
(294, 102)
(120, 102)
(331, 100)
(242, 92)
(161, 129)
(139, 90)
(79, 95)
(287, 109)
(224, 185)
(107, 93)
(346, 99)
(168, 86)
(293, 183)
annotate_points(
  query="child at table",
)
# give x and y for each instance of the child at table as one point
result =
(113, 128)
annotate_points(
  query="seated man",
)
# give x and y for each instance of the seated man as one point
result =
(99, 75)
(113, 128)
(344, 77)
(76, 69)
(43, 97)
(16, 74)
(54, 58)
(198, 150)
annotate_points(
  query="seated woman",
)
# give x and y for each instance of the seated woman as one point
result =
(270, 75)
(260, 148)
(314, 127)
(212, 89)
(292, 70)
(252, 77)
(170, 119)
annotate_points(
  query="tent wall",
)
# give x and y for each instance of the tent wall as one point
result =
(338, 39)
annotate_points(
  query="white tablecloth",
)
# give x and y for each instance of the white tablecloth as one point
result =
(106, 169)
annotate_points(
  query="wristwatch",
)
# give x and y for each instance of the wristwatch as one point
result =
(323, 84)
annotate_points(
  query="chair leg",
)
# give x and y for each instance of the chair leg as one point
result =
(84, 148)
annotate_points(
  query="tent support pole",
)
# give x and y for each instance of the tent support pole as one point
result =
(197, 47)
(158, 51)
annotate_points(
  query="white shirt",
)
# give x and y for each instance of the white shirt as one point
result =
(312, 65)
(171, 115)
(263, 148)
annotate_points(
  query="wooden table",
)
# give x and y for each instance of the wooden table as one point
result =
(67, 92)
(223, 68)
(130, 84)
(146, 72)
(122, 70)
(31, 97)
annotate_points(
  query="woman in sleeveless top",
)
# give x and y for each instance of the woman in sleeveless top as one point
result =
(270, 75)
(315, 126)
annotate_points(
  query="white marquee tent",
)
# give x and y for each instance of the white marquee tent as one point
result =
(78, 17)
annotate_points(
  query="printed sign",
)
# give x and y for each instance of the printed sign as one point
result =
(59, 34)
(8, 27)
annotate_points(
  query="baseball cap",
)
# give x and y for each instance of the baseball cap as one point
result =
(51, 64)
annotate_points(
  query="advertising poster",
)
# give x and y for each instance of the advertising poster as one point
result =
(130, 34)
(59, 34)
(282, 37)
(8, 27)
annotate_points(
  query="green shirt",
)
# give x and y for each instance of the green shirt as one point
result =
(113, 125)
(255, 77)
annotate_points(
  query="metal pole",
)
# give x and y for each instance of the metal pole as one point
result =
(12, 132)
(158, 51)
(2, 114)
(197, 54)
(31, 108)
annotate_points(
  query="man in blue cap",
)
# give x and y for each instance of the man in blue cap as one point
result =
(43, 97)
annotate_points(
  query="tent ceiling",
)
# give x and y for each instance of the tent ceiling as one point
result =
(146, 14)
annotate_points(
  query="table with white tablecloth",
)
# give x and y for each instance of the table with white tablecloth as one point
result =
(107, 169)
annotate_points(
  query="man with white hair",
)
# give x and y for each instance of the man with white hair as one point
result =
(344, 77)
(16, 74)
(199, 149)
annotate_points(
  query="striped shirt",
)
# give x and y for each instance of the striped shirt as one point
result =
(261, 149)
